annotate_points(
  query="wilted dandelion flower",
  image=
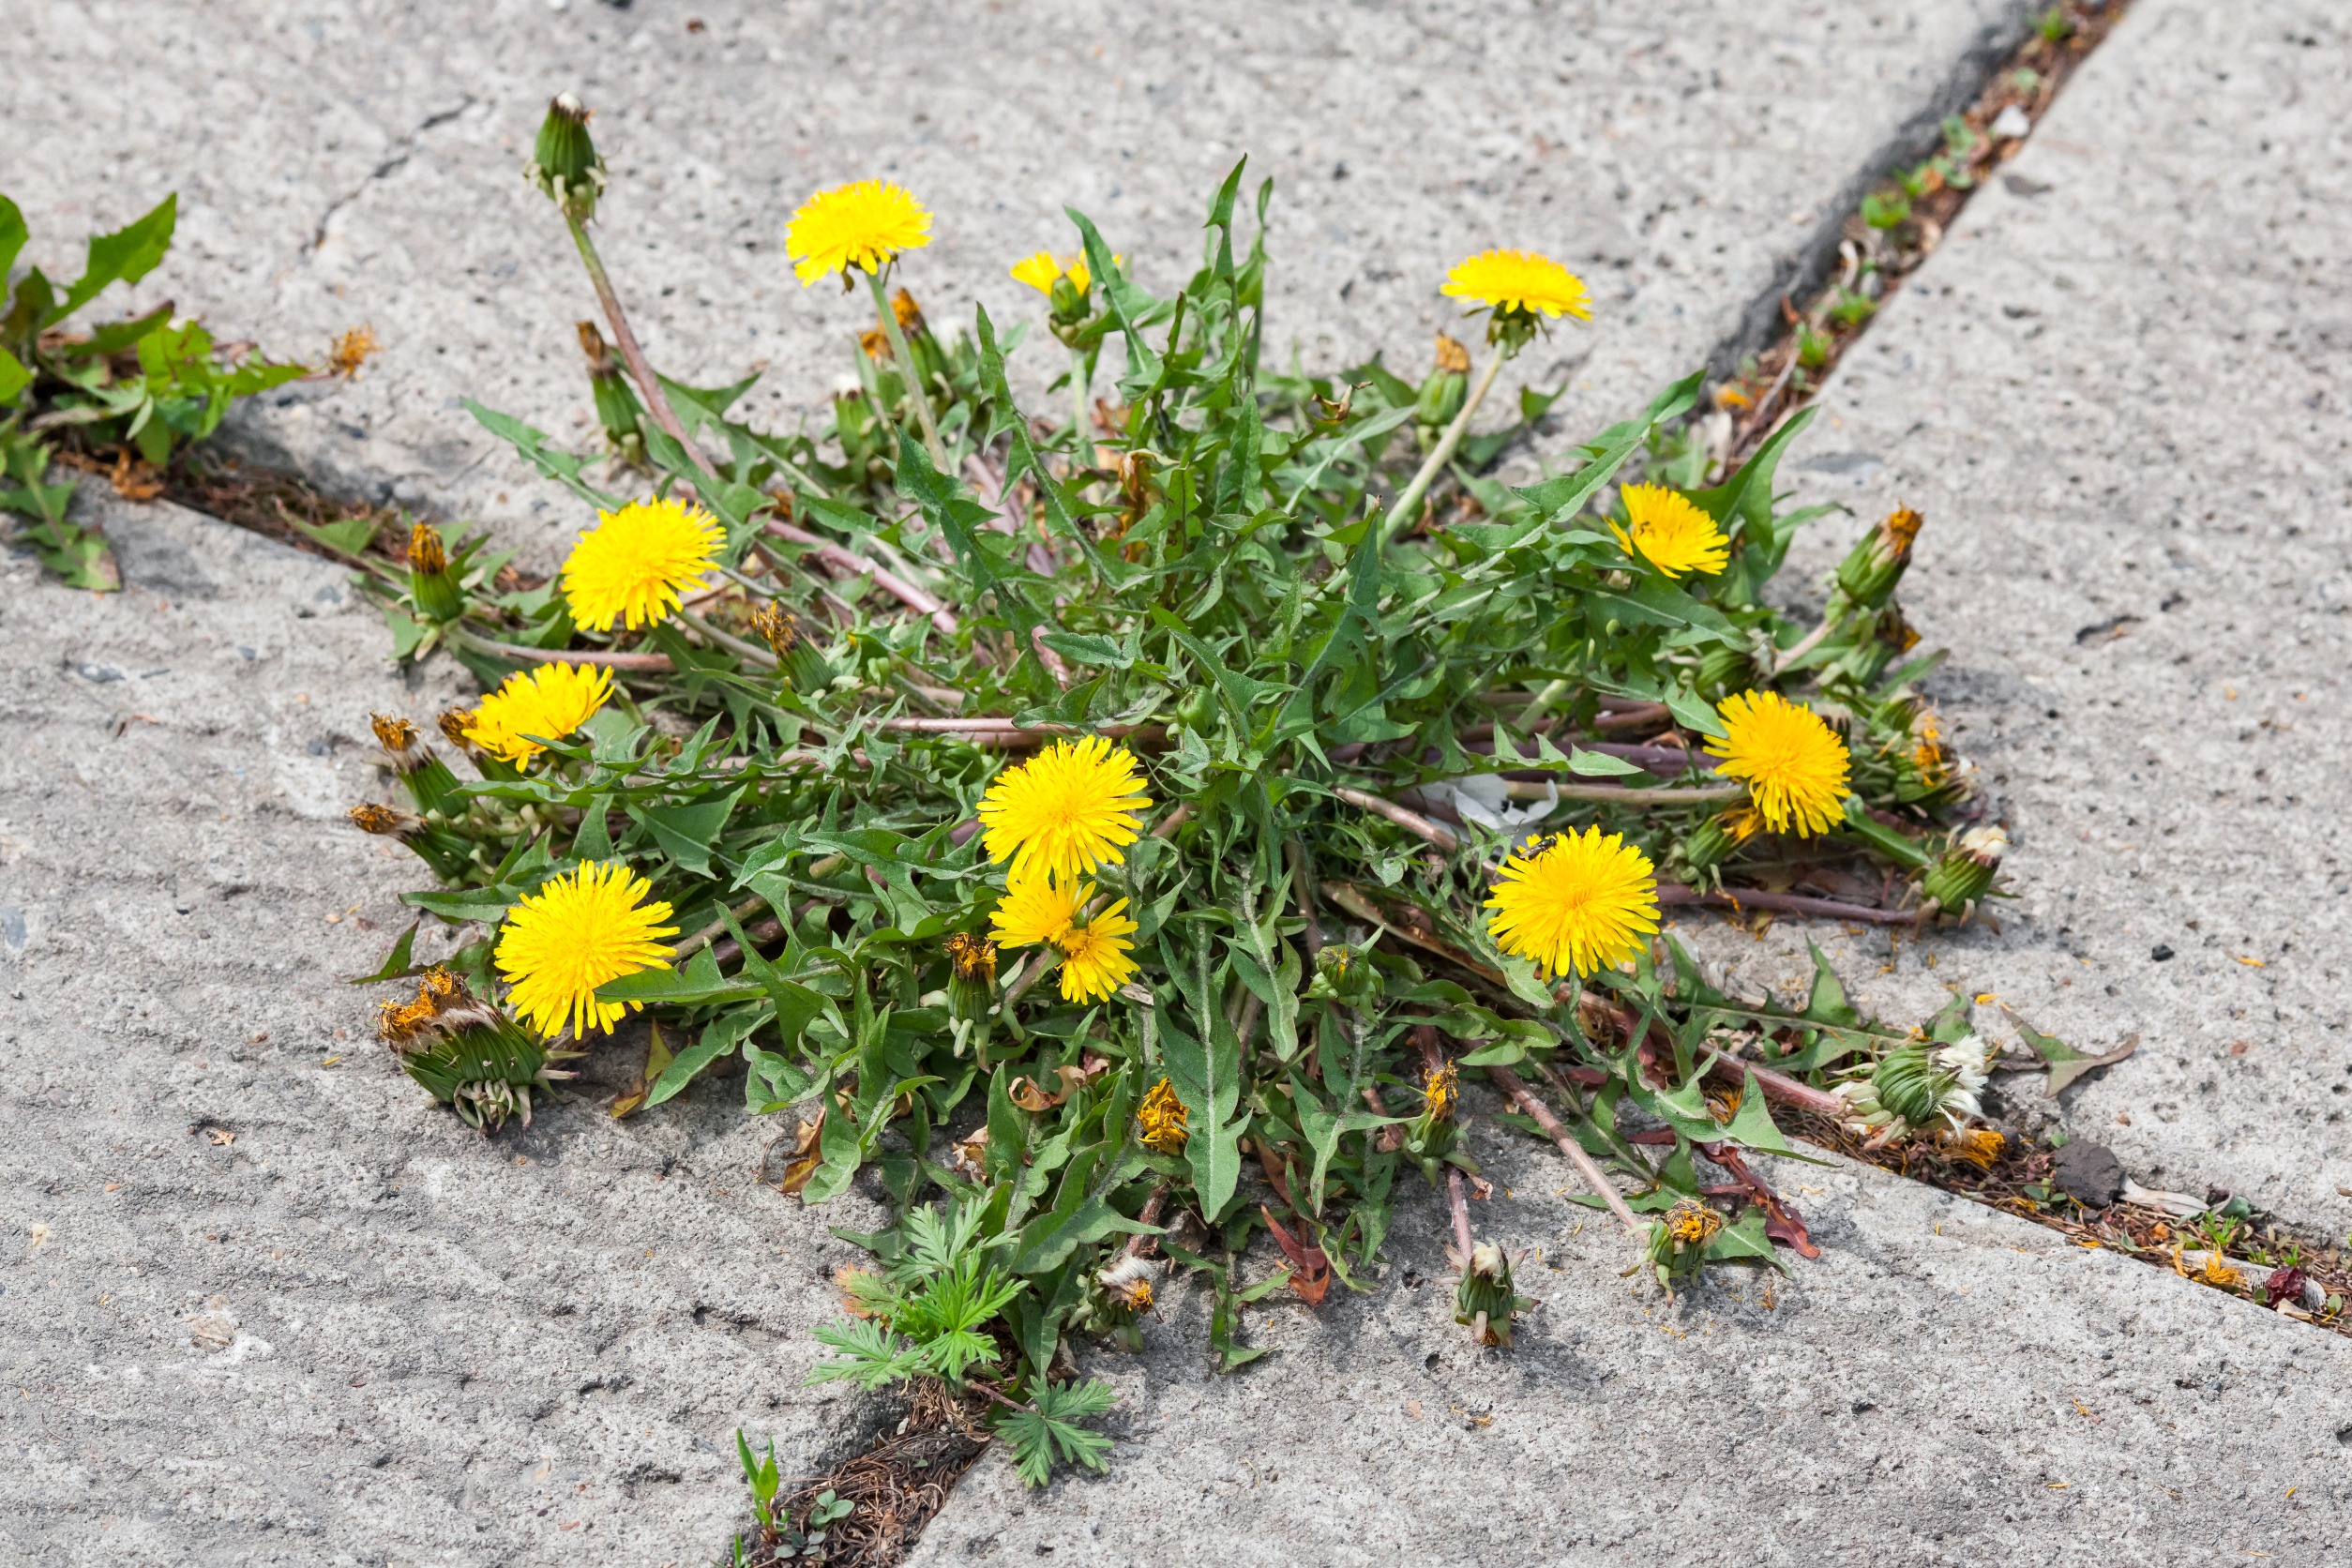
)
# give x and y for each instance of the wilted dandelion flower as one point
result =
(1671, 533)
(1521, 281)
(1441, 1093)
(1128, 1283)
(1794, 764)
(1581, 903)
(1691, 1223)
(972, 956)
(865, 225)
(1160, 1120)
(636, 564)
(549, 702)
(581, 928)
(1096, 959)
(1075, 806)
(351, 351)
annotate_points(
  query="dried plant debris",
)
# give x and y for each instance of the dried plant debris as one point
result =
(868, 1510)
(1900, 224)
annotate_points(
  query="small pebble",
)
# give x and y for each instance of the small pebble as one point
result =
(2010, 123)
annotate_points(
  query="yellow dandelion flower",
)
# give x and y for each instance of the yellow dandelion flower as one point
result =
(1518, 280)
(1075, 806)
(536, 706)
(865, 225)
(636, 565)
(581, 928)
(1671, 533)
(1040, 270)
(1160, 1120)
(1581, 903)
(1095, 961)
(1793, 762)
(1035, 908)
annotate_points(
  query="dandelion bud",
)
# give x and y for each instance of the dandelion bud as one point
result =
(778, 626)
(425, 777)
(1916, 1084)
(467, 1053)
(1485, 1301)
(431, 587)
(564, 165)
(1678, 1240)
(1965, 872)
(1441, 1094)
(970, 975)
(1160, 1120)
(1871, 569)
(1712, 842)
(444, 851)
(1724, 672)
(1448, 386)
(617, 408)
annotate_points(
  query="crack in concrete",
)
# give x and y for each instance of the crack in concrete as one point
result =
(385, 170)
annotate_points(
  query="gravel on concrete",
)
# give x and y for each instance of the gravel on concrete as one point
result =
(1947, 1385)
(2121, 394)
(268, 1303)
(343, 163)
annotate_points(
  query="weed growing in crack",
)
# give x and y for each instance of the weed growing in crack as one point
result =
(1121, 837)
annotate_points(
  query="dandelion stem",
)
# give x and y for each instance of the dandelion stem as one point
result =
(1458, 1200)
(1409, 503)
(716, 929)
(657, 401)
(750, 653)
(1542, 703)
(650, 663)
(1594, 1177)
(916, 392)
(1081, 420)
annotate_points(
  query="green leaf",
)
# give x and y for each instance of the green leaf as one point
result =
(127, 255)
(1828, 1004)
(1752, 1125)
(1047, 1432)
(12, 238)
(1598, 764)
(1206, 1076)
(719, 1037)
(397, 964)
(14, 377)
(699, 982)
(686, 833)
(1106, 652)
(1694, 712)
(1744, 1237)
(2065, 1062)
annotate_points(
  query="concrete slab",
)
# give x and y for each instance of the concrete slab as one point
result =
(341, 165)
(1947, 1385)
(2120, 395)
(269, 1302)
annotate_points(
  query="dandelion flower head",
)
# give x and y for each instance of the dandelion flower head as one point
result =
(1040, 270)
(1578, 903)
(1794, 764)
(1520, 281)
(1036, 909)
(1670, 532)
(1096, 957)
(636, 564)
(548, 702)
(863, 225)
(581, 928)
(1075, 806)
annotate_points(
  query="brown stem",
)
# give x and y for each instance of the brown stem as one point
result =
(1787, 903)
(1173, 821)
(1459, 1202)
(1779, 1086)
(657, 401)
(656, 663)
(1314, 931)
(1594, 1177)
(1438, 837)
(712, 932)
(855, 564)
(1150, 1214)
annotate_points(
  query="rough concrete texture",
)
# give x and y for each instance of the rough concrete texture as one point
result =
(269, 1304)
(2119, 392)
(1946, 1385)
(342, 163)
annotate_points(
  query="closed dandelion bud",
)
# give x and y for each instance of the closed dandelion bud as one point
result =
(970, 975)
(563, 163)
(617, 408)
(1707, 846)
(1725, 670)
(425, 777)
(1448, 386)
(1867, 577)
(1485, 1301)
(444, 851)
(467, 1053)
(432, 589)
(1678, 1240)
(1344, 975)
(1160, 1120)
(1067, 302)
(1916, 1084)
(1964, 874)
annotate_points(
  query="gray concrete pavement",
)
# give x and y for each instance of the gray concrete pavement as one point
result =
(270, 1304)
(341, 165)
(1947, 1385)
(2120, 395)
